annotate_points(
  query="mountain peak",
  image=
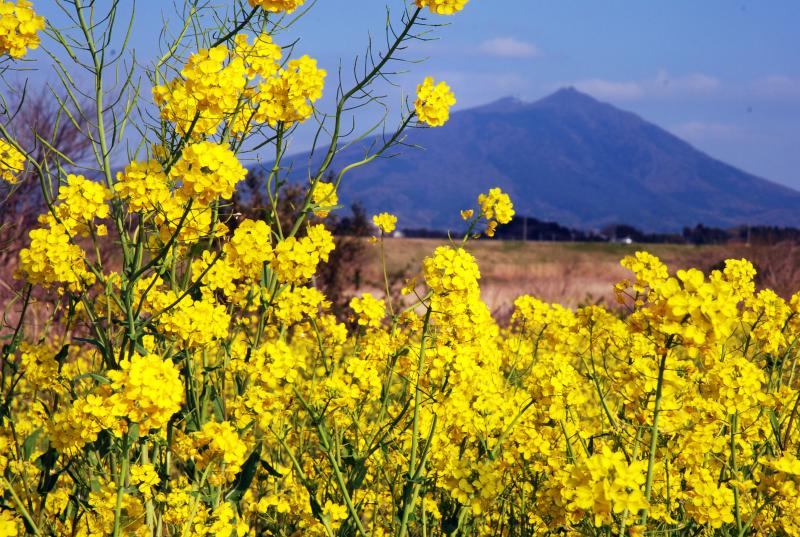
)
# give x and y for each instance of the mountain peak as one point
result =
(567, 158)
(568, 96)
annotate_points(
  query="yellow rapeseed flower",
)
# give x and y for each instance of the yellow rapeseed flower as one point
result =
(19, 27)
(12, 163)
(433, 102)
(277, 6)
(385, 222)
(324, 196)
(443, 7)
(207, 171)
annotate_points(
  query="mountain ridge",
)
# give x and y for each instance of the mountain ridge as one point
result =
(566, 157)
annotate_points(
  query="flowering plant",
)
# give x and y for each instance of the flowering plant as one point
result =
(190, 379)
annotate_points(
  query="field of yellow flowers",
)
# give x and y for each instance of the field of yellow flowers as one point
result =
(203, 387)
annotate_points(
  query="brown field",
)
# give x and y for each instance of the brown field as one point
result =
(571, 274)
(578, 273)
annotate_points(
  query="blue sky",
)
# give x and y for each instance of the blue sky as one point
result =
(722, 74)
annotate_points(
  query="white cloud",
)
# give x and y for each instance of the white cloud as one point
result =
(777, 87)
(693, 83)
(662, 85)
(707, 130)
(509, 47)
(609, 89)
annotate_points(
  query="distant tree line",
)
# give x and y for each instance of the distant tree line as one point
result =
(532, 229)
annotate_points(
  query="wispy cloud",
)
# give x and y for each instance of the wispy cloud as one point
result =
(609, 89)
(509, 47)
(777, 87)
(662, 85)
(707, 130)
(692, 83)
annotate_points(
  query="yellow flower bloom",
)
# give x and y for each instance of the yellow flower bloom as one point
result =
(443, 7)
(385, 222)
(250, 247)
(80, 201)
(10, 525)
(12, 163)
(52, 258)
(207, 171)
(288, 97)
(324, 196)
(207, 91)
(262, 57)
(433, 102)
(144, 186)
(150, 388)
(296, 260)
(496, 205)
(145, 477)
(369, 309)
(277, 6)
(19, 25)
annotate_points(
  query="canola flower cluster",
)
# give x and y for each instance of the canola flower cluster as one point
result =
(12, 163)
(241, 87)
(385, 222)
(277, 6)
(204, 385)
(53, 257)
(496, 208)
(433, 102)
(19, 27)
(443, 7)
(247, 408)
(325, 197)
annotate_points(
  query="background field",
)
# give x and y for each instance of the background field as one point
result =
(569, 273)
(577, 273)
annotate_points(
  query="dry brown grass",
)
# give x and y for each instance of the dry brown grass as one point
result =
(573, 274)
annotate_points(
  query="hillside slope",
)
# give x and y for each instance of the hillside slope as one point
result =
(568, 158)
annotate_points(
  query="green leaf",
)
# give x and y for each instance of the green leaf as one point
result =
(30, 444)
(103, 444)
(216, 406)
(99, 378)
(270, 469)
(47, 460)
(133, 432)
(96, 343)
(245, 477)
(62, 354)
(140, 348)
(776, 428)
(47, 481)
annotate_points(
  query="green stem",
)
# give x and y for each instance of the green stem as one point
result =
(21, 507)
(654, 433)
(327, 447)
(410, 495)
(386, 277)
(123, 475)
(188, 526)
(734, 471)
(149, 508)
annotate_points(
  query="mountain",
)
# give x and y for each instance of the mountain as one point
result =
(567, 158)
